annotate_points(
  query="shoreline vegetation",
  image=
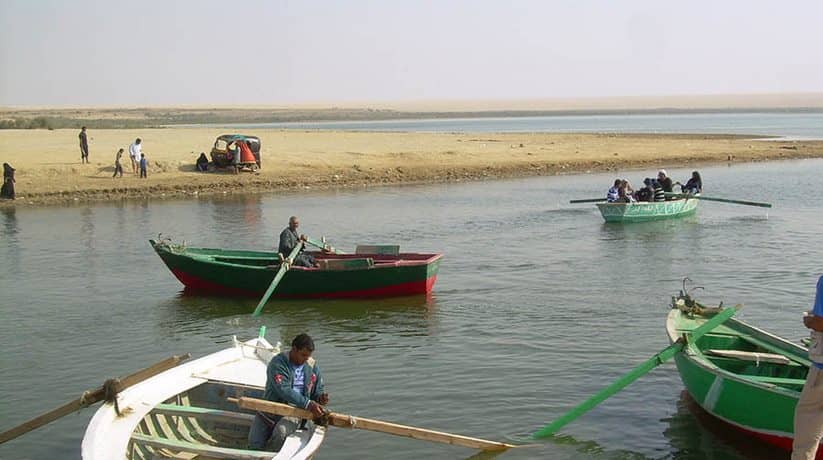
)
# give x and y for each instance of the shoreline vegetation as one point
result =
(49, 169)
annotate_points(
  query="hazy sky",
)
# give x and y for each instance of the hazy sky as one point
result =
(85, 52)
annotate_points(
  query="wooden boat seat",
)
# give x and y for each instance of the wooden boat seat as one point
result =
(776, 380)
(386, 250)
(346, 264)
(751, 356)
(202, 449)
(202, 413)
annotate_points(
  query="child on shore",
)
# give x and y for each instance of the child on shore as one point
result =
(144, 163)
(118, 167)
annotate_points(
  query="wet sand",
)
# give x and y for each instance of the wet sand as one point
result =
(49, 169)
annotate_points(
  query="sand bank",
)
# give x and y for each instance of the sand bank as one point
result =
(49, 169)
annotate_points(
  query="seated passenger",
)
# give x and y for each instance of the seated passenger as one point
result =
(646, 193)
(665, 182)
(622, 196)
(657, 194)
(611, 195)
(693, 185)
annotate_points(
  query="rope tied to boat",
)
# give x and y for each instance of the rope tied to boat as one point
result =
(110, 389)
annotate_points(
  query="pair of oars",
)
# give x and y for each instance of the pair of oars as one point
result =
(90, 397)
(687, 196)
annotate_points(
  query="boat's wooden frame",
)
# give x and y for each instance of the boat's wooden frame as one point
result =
(163, 417)
(645, 211)
(742, 375)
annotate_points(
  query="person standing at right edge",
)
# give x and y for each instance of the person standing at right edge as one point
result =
(808, 416)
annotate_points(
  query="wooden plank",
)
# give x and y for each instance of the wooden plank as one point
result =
(203, 413)
(348, 421)
(384, 249)
(202, 449)
(91, 397)
(751, 356)
(775, 380)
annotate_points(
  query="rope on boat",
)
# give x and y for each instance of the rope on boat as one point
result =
(110, 387)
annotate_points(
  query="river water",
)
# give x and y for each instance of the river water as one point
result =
(788, 125)
(538, 305)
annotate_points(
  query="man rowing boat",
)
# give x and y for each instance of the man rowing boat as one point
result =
(289, 238)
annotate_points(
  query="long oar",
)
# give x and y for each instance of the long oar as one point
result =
(721, 200)
(587, 200)
(324, 245)
(284, 267)
(661, 357)
(348, 421)
(90, 397)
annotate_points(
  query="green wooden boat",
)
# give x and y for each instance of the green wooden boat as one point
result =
(249, 273)
(742, 375)
(647, 211)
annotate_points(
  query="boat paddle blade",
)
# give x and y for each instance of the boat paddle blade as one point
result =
(587, 200)
(284, 267)
(661, 357)
(349, 421)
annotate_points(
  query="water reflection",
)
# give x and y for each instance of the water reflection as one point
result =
(348, 323)
(694, 434)
(11, 245)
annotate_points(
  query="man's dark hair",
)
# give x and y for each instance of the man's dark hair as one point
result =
(303, 342)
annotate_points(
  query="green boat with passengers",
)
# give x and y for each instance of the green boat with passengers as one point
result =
(645, 211)
(742, 375)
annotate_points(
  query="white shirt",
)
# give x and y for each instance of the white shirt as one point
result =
(136, 151)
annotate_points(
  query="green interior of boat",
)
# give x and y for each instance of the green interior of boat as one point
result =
(790, 375)
(197, 424)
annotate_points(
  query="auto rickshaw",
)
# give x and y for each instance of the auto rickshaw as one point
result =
(236, 150)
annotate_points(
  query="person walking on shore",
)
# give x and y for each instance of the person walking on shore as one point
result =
(808, 415)
(118, 167)
(136, 154)
(84, 145)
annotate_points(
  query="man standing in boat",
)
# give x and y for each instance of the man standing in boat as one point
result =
(808, 416)
(289, 238)
(294, 378)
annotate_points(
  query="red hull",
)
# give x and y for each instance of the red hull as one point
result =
(404, 289)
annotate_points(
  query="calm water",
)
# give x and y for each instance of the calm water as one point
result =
(539, 304)
(790, 125)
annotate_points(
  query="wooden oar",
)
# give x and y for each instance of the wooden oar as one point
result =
(284, 267)
(349, 421)
(661, 357)
(90, 397)
(324, 246)
(587, 200)
(721, 200)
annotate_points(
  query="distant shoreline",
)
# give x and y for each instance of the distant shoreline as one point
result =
(49, 169)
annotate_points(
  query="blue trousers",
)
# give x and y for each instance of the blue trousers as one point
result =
(265, 429)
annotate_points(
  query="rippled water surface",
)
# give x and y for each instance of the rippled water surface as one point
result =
(538, 305)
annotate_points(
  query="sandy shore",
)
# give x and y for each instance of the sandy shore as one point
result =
(49, 169)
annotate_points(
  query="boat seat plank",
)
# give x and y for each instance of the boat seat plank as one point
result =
(202, 449)
(776, 380)
(751, 356)
(203, 413)
(772, 348)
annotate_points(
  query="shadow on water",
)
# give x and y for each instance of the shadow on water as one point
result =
(695, 434)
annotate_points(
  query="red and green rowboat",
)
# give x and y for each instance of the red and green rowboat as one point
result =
(742, 375)
(249, 273)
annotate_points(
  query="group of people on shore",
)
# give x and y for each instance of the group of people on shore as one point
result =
(654, 189)
(139, 161)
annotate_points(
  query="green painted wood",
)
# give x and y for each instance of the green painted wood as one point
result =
(202, 413)
(324, 246)
(758, 398)
(587, 200)
(284, 267)
(645, 211)
(661, 357)
(721, 200)
(202, 449)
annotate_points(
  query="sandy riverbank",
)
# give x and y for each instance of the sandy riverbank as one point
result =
(49, 169)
